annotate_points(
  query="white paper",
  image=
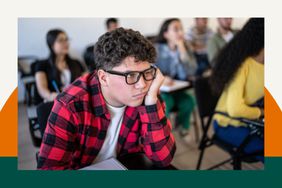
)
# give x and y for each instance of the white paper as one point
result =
(109, 164)
(177, 85)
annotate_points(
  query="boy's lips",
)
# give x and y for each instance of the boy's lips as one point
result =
(140, 95)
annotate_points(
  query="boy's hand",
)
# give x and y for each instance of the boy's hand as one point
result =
(152, 95)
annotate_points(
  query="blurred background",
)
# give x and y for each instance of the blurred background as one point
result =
(82, 33)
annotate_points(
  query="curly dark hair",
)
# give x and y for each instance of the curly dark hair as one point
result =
(113, 47)
(246, 43)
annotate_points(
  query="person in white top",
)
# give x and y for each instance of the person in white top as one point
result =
(56, 72)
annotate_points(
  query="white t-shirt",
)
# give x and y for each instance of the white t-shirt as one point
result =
(66, 77)
(228, 36)
(108, 149)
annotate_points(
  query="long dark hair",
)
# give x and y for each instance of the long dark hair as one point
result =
(247, 42)
(51, 37)
(164, 28)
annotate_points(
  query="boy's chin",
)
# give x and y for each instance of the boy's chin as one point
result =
(135, 103)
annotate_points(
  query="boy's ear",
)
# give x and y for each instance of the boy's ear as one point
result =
(103, 77)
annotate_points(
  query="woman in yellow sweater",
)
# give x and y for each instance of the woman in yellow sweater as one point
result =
(238, 76)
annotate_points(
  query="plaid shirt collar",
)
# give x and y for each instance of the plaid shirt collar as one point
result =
(97, 99)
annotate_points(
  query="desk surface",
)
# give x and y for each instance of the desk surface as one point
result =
(176, 86)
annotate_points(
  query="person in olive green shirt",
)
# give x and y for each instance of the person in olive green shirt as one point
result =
(239, 76)
(223, 35)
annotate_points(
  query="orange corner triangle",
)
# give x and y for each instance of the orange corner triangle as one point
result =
(273, 127)
(8, 126)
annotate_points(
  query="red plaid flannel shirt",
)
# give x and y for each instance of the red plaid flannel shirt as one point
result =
(78, 124)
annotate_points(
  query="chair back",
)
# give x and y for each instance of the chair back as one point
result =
(206, 100)
(43, 111)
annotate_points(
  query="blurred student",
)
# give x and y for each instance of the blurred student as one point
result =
(111, 112)
(112, 24)
(198, 36)
(175, 59)
(58, 70)
(89, 58)
(223, 35)
(239, 75)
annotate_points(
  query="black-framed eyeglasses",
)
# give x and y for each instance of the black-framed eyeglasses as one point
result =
(133, 77)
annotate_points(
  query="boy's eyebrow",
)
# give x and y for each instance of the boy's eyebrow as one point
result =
(129, 71)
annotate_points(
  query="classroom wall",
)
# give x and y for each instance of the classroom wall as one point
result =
(84, 31)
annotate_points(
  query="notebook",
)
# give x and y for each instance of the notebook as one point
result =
(109, 164)
(177, 85)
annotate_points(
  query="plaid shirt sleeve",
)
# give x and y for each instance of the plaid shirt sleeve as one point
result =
(58, 140)
(158, 141)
